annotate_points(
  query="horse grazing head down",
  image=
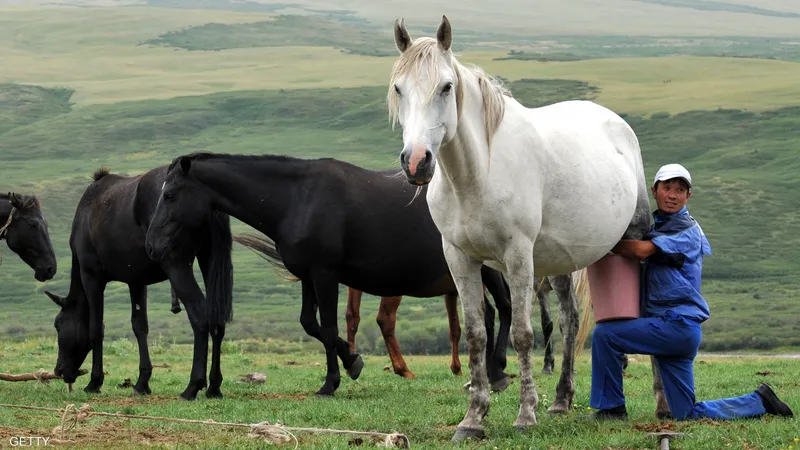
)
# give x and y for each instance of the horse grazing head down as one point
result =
(183, 205)
(427, 91)
(25, 231)
(72, 327)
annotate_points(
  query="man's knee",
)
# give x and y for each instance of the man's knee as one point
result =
(601, 334)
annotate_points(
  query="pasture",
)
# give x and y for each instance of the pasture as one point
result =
(133, 84)
(426, 409)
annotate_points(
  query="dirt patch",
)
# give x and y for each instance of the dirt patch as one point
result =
(707, 421)
(161, 366)
(106, 432)
(765, 373)
(656, 427)
(277, 396)
(291, 363)
(134, 400)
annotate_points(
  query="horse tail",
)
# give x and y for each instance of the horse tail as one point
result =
(584, 295)
(219, 285)
(265, 248)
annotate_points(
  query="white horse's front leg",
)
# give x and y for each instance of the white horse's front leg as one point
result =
(466, 274)
(519, 268)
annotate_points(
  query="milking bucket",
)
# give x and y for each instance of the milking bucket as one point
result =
(614, 286)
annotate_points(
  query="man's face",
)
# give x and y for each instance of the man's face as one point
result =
(671, 195)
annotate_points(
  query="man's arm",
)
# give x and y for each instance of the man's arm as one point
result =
(640, 250)
(631, 248)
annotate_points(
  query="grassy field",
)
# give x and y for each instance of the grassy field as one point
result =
(377, 401)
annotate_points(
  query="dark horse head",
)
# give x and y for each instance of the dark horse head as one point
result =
(72, 326)
(184, 204)
(24, 228)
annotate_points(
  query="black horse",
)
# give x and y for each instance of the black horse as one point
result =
(332, 222)
(24, 228)
(107, 243)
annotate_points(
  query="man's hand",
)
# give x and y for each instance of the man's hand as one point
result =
(634, 249)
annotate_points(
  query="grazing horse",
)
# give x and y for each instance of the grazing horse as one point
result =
(107, 243)
(527, 191)
(24, 228)
(331, 223)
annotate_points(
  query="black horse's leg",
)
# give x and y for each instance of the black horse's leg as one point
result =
(217, 333)
(501, 294)
(326, 288)
(181, 277)
(140, 330)
(547, 325)
(94, 288)
(215, 377)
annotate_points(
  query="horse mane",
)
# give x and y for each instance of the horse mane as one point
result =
(22, 202)
(425, 52)
(100, 173)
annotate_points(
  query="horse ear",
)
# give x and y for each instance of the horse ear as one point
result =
(56, 299)
(186, 164)
(15, 199)
(401, 37)
(444, 35)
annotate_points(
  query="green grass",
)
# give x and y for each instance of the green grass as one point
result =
(377, 401)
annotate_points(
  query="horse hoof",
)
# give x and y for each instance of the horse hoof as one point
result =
(355, 369)
(92, 389)
(660, 415)
(142, 390)
(409, 375)
(189, 395)
(501, 384)
(176, 310)
(324, 393)
(523, 429)
(462, 434)
(558, 408)
(456, 371)
(214, 393)
(547, 371)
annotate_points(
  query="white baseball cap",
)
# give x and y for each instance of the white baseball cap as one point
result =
(671, 171)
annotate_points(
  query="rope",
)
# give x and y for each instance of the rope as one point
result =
(70, 416)
(4, 230)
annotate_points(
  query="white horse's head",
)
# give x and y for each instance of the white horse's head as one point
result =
(423, 97)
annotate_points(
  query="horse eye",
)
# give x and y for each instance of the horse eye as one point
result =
(447, 88)
(168, 196)
(397, 89)
(33, 224)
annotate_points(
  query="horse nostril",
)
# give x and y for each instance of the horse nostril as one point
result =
(428, 156)
(403, 159)
(149, 248)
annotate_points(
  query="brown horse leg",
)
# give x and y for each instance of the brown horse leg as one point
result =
(353, 316)
(662, 408)
(387, 319)
(451, 304)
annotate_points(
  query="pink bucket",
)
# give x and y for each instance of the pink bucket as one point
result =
(614, 286)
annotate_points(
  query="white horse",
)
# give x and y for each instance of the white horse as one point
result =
(544, 191)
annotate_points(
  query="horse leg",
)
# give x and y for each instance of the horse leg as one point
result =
(181, 278)
(387, 320)
(662, 407)
(520, 278)
(565, 391)
(140, 330)
(353, 315)
(326, 288)
(467, 276)
(94, 289)
(215, 376)
(500, 292)
(451, 305)
(308, 319)
(547, 327)
(488, 323)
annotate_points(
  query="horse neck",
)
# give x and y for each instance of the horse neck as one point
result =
(256, 191)
(464, 161)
